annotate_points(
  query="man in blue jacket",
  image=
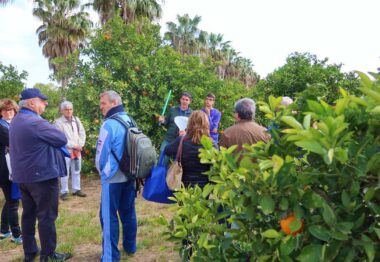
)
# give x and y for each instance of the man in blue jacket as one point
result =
(37, 161)
(118, 193)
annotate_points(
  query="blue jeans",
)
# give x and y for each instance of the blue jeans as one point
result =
(118, 201)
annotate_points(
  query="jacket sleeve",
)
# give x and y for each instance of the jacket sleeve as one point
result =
(103, 151)
(50, 134)
(171, 149)
(82, 133)
(167, 117)
(214, 122)
(4, 136)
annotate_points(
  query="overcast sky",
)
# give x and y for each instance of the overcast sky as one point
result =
(345, 31)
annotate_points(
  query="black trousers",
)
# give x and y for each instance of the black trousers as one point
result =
(9, 213)
(40, 202)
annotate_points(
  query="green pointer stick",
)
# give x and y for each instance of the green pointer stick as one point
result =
(166, 102)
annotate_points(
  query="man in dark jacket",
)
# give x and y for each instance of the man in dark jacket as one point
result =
(37, 161)
(168, 121)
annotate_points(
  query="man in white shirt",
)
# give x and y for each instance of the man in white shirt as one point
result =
(72, 127)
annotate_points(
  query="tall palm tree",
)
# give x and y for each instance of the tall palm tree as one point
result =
(129, 10)
(64, 28)
(184, 37)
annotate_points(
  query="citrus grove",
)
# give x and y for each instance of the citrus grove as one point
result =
(311, 194)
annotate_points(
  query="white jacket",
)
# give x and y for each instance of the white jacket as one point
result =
(74, 131)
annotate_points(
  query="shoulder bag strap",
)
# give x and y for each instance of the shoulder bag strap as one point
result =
(179, 151)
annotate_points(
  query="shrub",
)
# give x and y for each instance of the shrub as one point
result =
(322, 165)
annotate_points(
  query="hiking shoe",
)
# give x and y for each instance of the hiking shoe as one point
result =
(56, 257)
(17, 240)
(64, 196)
(79, 193)
(5, 235)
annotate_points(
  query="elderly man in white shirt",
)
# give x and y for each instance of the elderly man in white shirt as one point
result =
(73, 128)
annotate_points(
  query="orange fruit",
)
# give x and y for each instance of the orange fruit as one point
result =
(96, 121)
(145, 93)
(107, 37)
(285, 225)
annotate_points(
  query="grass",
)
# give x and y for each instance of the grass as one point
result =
(79, 231)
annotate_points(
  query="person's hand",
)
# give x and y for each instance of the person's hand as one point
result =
(207, 111)
(161, 119)
(215, 130)
(77, 148)
(182, 132)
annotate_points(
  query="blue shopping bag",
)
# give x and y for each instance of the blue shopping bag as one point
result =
(155, 188)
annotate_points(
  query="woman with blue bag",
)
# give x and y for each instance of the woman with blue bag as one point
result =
(9, 213)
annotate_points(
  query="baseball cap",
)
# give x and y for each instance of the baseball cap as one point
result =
(32, 93)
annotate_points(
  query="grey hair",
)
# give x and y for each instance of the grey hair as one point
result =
(246, 109)
(22, 103)
(112, 96)
(65, 104)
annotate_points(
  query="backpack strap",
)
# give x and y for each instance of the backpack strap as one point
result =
(127, 125)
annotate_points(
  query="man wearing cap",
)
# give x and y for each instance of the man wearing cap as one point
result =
(37, 162)
(168, 121)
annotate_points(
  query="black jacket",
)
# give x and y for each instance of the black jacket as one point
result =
(4, 143)
(193, 170)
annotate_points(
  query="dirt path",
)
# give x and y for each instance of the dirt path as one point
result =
(151, 245)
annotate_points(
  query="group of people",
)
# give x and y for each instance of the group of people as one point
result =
(41, 153)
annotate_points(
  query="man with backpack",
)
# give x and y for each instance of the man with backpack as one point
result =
(118, 190)
(74, 131)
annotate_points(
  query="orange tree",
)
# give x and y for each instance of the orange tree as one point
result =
(322, 166)
(132, 60)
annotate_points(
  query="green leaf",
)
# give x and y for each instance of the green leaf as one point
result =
(319, 232)
(315, 107)
(206, 142)
(338, 235)
(365, 80)
(312, 146)
(370, 193)
(345, 198)
(291, 121)
(345, 227)
(277, 163)
(306, 121)
(332, 250)
(287, 246)
(376, 110)
(295, 225)
(369, 248)
(328, 215)
(207, 190)
(310, 253)
(330, 155)
(267, 204)
(377, 230)
(180, 234)
(271, 233)
(284, 204)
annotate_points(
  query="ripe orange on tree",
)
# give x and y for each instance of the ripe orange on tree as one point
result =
(285, 225)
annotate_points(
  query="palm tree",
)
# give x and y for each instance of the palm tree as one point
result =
(64, 29)
(129, 10)
(184, 37)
